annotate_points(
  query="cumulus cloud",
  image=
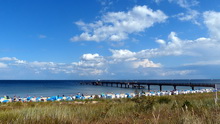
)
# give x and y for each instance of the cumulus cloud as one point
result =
(199, 48)
(176, 46)
(92, 57)
(145, 63)
(122, 54)
(125, 62)
(116, 26)
(212, 21)
(131, 59)
(90, 64)
(90, 60)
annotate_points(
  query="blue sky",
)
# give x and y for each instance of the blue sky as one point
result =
(109, 39)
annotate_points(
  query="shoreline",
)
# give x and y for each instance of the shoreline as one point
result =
(79, 96)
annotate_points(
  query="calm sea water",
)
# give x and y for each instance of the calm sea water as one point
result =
(25, 88)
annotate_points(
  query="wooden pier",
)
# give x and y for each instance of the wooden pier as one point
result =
(140, 84)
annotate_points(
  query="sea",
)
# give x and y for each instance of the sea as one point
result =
(24, 88)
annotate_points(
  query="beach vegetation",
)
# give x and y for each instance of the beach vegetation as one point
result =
(181, 109)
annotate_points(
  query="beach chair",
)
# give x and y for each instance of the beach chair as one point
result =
(90, 97)
(158, 94)
(54, 98)
(5, 101)
(50, 99)
(60, 98)
(152, 94)
(68, 98)
(82, 98)
(103, 95)
(109, 96)
(117, 95)
(78, 96)
(29, 98)
(38, 99)
(128, 95)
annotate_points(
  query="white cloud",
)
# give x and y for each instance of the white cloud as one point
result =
(212, 21)
(161, 41)
(124, 61)
(145, 63)
(3, 65)
(122, 54)
(157, 1)
(20, 62)
(131, 59)
(200, 48)
(185, 3)
(190, 15)
(90, 64)
(92, 57)
(42, 64)
(116, 26)
(176, 47)
(8, 59)
(90, 60)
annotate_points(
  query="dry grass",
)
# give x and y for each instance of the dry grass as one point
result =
(181, 109)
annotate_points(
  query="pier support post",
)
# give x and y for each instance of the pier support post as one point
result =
(117, 84)
(160, 87)
(139, 86)
(111, 84)
(174, 86)
(193, 88)
(121, 85)
(148, 86)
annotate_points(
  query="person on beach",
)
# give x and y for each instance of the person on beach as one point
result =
(42, 100)
(15, 99)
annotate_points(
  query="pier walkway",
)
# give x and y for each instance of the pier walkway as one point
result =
(143, 83)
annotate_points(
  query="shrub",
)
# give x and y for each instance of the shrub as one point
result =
(163, 99)
(144, 103)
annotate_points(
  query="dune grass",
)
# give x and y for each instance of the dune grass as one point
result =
(181, 109)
